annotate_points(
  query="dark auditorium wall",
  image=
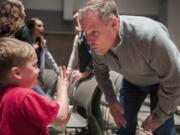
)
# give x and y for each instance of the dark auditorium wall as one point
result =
(60, 45)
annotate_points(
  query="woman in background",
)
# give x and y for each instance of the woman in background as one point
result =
(12, 16)
(36, 29)
(12, 24)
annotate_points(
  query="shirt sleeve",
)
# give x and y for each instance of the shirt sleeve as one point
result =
(51, 61)
(101, 72)
(38, 110)
(165, 60)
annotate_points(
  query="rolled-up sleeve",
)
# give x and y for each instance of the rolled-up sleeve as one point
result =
(101, 72)
(165, 60)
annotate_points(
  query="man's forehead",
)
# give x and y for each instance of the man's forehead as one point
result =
(88, 15)
(89, 20)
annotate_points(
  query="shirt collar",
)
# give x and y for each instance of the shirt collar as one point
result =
(120, 34)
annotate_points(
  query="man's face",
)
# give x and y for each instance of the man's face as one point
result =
(100, 35)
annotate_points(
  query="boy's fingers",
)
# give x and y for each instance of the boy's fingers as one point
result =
(60, 71)
(63, 70)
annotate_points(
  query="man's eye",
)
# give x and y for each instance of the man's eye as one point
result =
(94, 33)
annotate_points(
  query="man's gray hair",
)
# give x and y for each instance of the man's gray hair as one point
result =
(105, 9)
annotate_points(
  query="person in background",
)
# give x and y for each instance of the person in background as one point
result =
(12, 17)
(36, 29)
(81, 68)
(141, 50)
(23, 111)
(12, 24)
(80, 62)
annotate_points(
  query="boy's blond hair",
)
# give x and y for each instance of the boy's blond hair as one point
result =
(13, 53)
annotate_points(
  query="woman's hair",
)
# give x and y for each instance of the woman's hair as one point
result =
(13, 53)
(12, 16)
(31, 24)
(104, 8)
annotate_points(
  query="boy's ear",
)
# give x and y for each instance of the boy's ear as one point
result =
(16, 72)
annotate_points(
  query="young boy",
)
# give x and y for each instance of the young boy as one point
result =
(23, 111)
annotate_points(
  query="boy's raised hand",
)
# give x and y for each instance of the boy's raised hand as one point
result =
(63, 76)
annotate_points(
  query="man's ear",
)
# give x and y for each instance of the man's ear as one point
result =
(16, 72)
(115, 23)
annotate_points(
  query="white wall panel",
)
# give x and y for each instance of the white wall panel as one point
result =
(68, 6)
(145, 7)
(43, 4)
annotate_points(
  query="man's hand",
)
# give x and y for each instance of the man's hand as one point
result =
(78, 76)
(150, 124)
(117, 112)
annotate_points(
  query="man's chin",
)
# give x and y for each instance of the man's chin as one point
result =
(100, 53)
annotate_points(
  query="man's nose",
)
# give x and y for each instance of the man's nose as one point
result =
(90, 41)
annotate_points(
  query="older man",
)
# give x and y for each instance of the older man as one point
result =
(140, 49)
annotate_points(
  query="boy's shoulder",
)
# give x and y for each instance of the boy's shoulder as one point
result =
(13, 92)
(18, 89)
